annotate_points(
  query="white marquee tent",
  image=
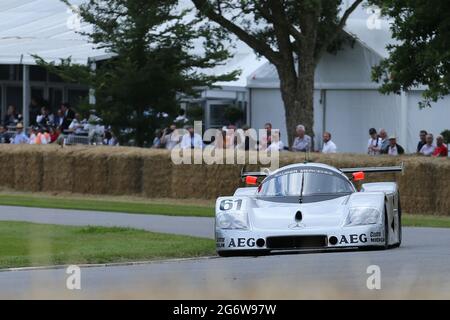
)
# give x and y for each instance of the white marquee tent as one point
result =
(347, 102)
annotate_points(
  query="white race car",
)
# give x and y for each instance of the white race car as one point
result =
(309, 206)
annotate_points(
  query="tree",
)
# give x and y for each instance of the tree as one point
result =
(159, 53)
(421, 55)
(292, 35)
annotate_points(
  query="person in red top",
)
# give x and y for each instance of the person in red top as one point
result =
(441, 149)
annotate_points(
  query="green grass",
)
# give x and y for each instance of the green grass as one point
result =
(106, 205)
(24, 244)
(426, 221)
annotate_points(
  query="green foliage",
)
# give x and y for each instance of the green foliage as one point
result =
(195, 112)
(159, 52)
(446, 135)
(421, 56)
(233, 114)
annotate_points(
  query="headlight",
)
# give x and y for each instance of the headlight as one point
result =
(363, 216)
(232, 220)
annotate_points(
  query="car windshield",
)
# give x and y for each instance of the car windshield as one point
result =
(305, 182)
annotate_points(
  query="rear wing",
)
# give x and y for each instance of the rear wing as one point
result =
(373, 169)
(257, 174)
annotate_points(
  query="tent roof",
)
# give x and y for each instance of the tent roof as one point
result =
(42, 27)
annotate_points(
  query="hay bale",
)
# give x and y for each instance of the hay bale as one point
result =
(157, 175)
(7, 178)
(124, 173)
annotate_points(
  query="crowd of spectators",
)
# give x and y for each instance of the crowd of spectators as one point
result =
(65, 126)
(231, 137)
(68, 126)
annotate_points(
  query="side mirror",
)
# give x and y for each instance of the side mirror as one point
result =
(359, 176)
(251, 180)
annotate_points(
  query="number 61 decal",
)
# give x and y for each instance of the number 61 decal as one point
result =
(229, 204)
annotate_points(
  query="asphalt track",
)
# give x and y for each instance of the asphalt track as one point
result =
(418, 269)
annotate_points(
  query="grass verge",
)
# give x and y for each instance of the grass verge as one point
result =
(24, 244)
(425, 221)
(141, 207)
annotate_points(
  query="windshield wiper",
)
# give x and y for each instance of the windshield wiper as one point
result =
(301, 190)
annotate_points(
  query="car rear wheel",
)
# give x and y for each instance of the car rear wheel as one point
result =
(399, 226)
(386, 230)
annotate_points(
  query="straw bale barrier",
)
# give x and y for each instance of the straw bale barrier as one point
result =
(424, 186)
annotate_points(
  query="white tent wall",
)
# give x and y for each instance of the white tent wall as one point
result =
(346, 101)
(267, 106)
(435, 119)
(350, 114)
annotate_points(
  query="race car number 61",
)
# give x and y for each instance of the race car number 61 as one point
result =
(229, 204)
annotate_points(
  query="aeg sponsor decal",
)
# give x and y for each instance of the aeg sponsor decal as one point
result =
(376, 237)
(353, 239)
(242, 243)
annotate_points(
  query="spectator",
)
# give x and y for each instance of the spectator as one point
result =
(393, 149)
(276, 144)
(68, 115)
(43, 137)
(181, 119)
(110, 139)
(170, 137)
(428, 147)
(32, 133)
(422, 141)
(4, 135)
(230, 137)
(59, 119)
(328, 145)
(54, 134)
(374, 144)
(384, 140)
(157, 139)
(245, 139)
(441, 149)
(44, 118)
(191, 140)
(302, 142)
(267, 139)
(12, 118)
(20, 137)
(77, 124)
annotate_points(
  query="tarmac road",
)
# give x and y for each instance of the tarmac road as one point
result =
(419, 269)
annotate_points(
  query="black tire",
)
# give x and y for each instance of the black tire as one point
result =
(399, 225)
(226, 253)
(242, 253)
(386, 230)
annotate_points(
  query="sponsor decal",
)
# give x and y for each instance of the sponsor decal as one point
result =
(376, 236)
(242, 243)
(353, 239)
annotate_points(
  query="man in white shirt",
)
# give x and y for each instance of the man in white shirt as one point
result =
(374, 144)
(191, 140)
(328, 145)
(275, 142)
(428, 148)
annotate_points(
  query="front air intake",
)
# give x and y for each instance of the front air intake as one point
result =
(296, 242)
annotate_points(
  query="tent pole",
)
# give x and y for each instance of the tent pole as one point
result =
(26, 91)
(404, 120)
